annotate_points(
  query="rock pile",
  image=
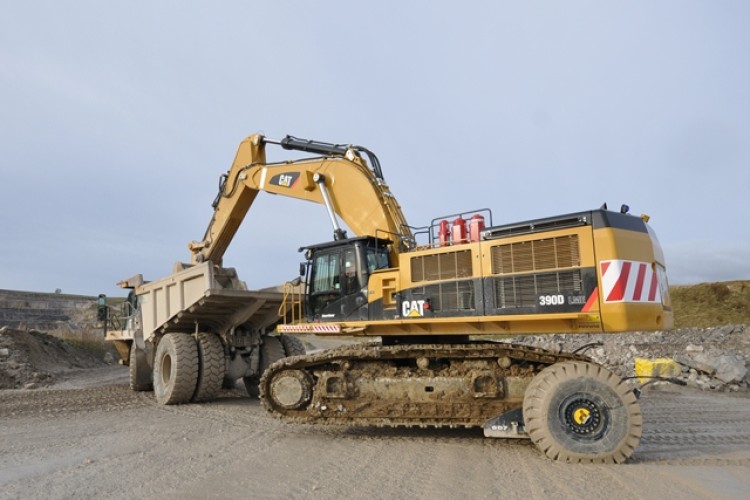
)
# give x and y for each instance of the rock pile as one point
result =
(31, 359)
(709, 358)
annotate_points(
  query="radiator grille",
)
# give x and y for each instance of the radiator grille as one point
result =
(451, 296)
(536, 255)
(442, 266)
(524, 291)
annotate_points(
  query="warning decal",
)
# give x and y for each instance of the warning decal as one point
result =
(631, 281)
(309, 328)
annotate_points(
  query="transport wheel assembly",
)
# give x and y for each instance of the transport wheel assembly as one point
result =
(582, 413)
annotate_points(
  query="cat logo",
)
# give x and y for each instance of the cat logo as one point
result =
(413, 308)
(286, 180)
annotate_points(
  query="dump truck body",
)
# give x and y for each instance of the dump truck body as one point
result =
(204, 301)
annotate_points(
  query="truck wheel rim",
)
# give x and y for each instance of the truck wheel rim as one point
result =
(166, 369)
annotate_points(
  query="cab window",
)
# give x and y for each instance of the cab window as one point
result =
(351, 281)
(326, 270)
(377, 258)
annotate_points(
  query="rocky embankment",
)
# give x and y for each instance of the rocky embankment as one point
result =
(31, 359)
(706, 358)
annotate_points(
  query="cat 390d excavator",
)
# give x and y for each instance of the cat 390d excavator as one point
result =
(433, 310)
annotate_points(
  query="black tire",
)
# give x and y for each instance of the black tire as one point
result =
(251, 386)
(211, 367)
(271, 350)
(292, 345)
(140, 375)
(175, 369)
(228, 383)
(580, 412)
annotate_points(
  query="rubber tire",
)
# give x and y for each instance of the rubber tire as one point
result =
(228, 383)
(621, 414)
(133, 368)
(211, 366)
(292, 345)
(271, 350)
(175, 369)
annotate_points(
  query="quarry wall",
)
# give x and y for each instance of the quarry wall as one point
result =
(58, 314)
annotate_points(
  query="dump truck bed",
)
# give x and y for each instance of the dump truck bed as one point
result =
(220, 309)
(205, 298)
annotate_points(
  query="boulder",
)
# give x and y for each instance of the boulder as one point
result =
(728, 368)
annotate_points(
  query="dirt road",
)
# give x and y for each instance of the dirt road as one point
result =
(91, 437)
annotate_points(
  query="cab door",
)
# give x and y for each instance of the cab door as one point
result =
(336, 288)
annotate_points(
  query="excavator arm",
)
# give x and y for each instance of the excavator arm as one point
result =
(341, 180)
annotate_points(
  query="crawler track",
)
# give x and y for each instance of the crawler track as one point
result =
(427, 385)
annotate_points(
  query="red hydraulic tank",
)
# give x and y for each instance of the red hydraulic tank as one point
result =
(476, 226)
(458, 231)
(444, 234)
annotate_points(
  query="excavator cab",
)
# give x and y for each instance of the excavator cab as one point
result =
(336, 284)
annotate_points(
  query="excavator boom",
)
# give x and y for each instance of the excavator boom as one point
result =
(341, 180)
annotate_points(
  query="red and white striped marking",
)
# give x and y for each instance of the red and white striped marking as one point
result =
(630, 281)
(309, 328)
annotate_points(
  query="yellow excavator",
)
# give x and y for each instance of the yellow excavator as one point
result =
(434, 301)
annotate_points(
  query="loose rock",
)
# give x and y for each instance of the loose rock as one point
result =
(712, 358)
(34, 359)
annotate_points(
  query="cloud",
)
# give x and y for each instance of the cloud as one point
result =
(691, 262)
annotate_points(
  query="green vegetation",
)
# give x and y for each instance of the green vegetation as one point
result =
(711, 304)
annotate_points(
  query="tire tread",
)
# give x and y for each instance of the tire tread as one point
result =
(211, 366)
(539, 392)
(184, 351)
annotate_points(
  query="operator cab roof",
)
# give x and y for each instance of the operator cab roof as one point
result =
(367, 241)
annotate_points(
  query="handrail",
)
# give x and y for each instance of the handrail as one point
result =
(291, 302)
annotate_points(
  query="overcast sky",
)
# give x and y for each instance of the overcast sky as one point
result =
(119, 117)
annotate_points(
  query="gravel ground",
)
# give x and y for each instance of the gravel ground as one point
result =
(105, 441)
(89, 436)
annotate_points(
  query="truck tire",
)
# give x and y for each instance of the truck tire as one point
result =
(139, 372)
(175, 369)
(211, 367)
(271, 351)
(292, 345)
(580, 412)
(228, 383)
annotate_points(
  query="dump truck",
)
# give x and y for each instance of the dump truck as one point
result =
(431, 304)
(211, 330)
